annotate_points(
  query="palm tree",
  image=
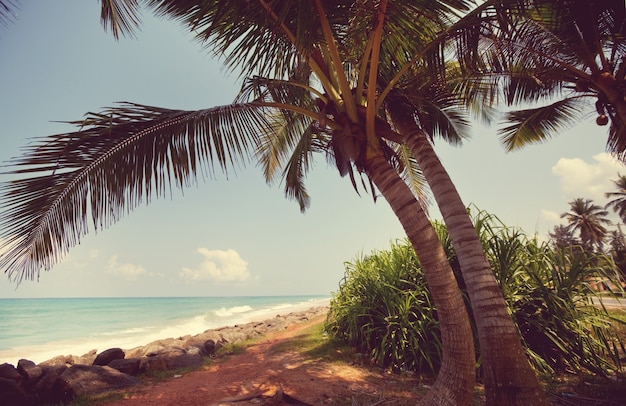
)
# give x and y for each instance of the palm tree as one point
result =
(588, 219)
(421, 106)
(123, 153)
(618, 204)
(570, 55)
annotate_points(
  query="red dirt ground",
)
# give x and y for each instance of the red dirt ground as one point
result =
(260, 374)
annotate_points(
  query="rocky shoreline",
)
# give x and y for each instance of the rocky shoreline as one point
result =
(62, 378)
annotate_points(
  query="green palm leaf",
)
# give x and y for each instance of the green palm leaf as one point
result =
(618, 198)
(538, 124)
(547, 50)
(118, 159)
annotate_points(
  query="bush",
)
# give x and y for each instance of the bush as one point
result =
(383, 307)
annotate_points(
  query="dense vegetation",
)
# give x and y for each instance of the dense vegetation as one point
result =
(383, 307)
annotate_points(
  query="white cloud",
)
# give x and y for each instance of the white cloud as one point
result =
(218, 266)
(126, 270)
(578, 178)
(551, 217)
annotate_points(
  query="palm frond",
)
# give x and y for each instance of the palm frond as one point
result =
(413, 176)
(8, 11)
(121, 16)
(616, 141)
(618, 198)
(287, 152)
(299, 165)
(538, 124)
(117, 160)
(263, 37)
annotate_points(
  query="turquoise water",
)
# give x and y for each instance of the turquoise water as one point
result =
(39, 329)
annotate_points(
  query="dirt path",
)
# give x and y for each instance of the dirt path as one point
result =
(265, 370)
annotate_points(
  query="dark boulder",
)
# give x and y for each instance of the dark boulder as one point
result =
(44, 388)
(11, 392)
(8, 371)
(209, 347)
(29, 371)
(105, 357)
(128, 366)
(94, 379)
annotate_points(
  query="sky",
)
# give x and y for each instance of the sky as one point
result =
(237, 235)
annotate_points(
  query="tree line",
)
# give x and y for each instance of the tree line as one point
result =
(588, 226)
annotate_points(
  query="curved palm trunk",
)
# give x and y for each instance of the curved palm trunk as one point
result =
(455, 381)
(509, 378)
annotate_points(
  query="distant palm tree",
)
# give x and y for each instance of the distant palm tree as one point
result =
(618, 204)
(589, 220)
(563, 237)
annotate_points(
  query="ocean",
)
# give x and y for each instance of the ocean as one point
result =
(40, 329)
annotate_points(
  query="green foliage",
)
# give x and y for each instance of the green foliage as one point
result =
(383, 306)
(548, 291)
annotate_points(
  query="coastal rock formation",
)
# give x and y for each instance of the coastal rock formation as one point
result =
(61, 378)
(90, 379)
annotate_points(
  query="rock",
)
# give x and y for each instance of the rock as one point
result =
(136, 352)
(91, 379)
(149, 364)
(194, 351)
(61, 360)
(128, 366)
(176, 357)
(105, 357)
(44, 388)
(86, 359)
(201, 339)
(184, 360)
(233, 337)
(11, 392)
(158, 351)
(29, 371)
(8, 371)
(209, 347)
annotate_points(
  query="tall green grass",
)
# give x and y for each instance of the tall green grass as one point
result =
(383, 307)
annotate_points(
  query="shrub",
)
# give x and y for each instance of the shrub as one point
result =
(383, 306)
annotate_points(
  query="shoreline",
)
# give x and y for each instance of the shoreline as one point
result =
(220, 336)
(62, 378)
(141, 332)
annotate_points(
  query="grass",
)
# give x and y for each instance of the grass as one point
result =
(590, 387)
(315, 344)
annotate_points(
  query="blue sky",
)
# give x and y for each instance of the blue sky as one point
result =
(239, 236)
